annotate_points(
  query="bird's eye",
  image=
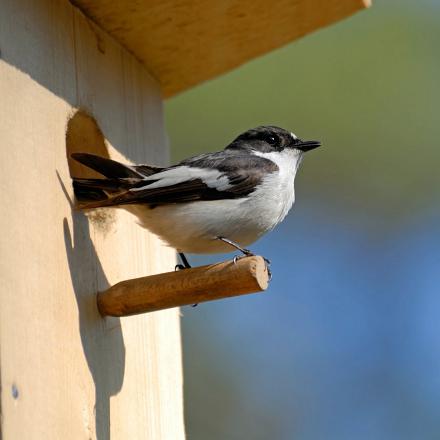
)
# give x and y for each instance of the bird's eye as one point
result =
(272, 140)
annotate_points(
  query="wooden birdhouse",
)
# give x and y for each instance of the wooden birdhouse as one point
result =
(91, 76)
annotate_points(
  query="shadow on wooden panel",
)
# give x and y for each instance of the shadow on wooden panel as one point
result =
(102, 339)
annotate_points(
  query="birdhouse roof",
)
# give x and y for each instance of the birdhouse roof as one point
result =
(183, 43)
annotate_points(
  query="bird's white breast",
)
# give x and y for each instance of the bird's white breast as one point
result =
(276, 194)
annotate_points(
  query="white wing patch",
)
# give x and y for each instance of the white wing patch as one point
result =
(210, 177)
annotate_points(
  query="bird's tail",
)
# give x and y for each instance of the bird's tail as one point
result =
(94, 193)
(97, 193)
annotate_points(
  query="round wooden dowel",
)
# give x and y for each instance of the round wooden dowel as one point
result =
(188, 286)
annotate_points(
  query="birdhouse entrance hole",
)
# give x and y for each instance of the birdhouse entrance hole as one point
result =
(84, 135)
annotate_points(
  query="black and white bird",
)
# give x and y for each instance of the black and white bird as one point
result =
(211, 203)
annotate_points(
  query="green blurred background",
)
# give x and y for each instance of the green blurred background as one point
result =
(345, 344)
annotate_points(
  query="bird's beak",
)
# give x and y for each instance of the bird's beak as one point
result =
(306, 145)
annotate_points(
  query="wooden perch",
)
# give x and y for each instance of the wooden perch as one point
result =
(188, 286)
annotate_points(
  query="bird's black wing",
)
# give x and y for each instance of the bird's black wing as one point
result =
(211, 176)
(207, 177)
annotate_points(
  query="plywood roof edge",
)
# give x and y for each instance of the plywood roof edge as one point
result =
(183, 44)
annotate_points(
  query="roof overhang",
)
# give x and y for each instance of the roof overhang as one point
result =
(185, 42)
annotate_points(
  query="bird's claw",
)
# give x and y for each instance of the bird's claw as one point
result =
(245, 254)
(269, 272)
(250, 254)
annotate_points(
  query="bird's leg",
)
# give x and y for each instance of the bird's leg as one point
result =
(235, 245)
(185, 265)
(246, 253)
(184, 260)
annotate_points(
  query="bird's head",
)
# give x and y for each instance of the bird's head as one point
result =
(270, 139)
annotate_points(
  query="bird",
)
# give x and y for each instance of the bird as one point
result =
(211, 203)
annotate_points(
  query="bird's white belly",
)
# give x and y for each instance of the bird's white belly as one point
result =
(193, 227)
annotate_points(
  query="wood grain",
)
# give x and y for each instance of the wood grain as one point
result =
(186, 42)
(184, 287)
(66, 372)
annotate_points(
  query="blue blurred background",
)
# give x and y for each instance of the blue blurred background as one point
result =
(345, 344)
